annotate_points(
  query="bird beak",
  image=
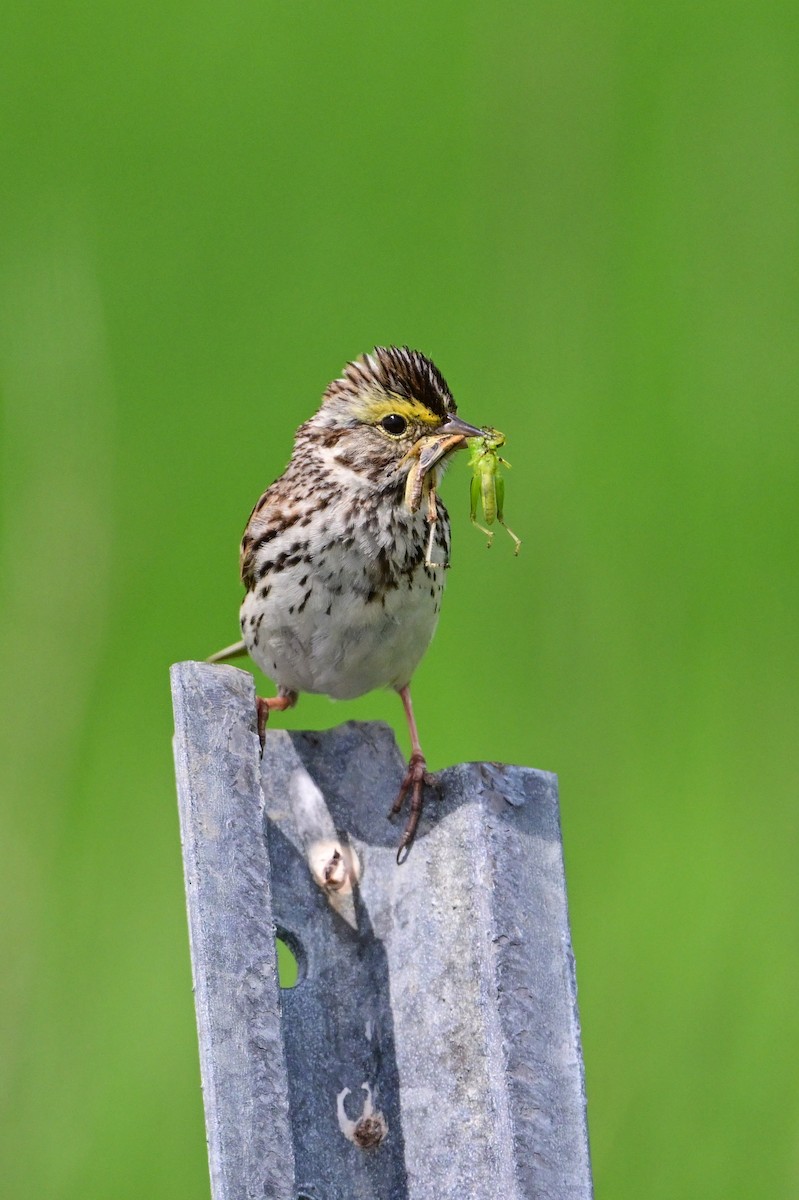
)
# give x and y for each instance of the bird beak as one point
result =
(456, 425)
(450, 436)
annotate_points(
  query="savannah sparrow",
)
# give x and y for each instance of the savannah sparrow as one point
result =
(344, 556)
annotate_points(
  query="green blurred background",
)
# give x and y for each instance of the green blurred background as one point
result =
(587, 214)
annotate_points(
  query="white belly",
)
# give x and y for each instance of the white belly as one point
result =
(340, 645)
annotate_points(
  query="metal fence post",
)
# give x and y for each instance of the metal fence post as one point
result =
(431, 1048)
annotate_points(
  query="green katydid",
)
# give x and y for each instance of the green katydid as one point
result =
(488, 486)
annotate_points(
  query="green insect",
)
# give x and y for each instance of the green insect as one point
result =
(488, 486)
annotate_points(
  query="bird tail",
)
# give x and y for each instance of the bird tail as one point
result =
(237, 650)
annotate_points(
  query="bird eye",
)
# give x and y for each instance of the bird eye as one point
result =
(394, 424)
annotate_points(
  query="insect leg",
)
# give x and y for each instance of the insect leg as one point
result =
(474, 495)
(432, 517)
(500, 503)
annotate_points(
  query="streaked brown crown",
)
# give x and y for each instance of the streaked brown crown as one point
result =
(399, 371)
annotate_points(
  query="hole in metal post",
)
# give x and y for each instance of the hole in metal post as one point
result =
(289, 959)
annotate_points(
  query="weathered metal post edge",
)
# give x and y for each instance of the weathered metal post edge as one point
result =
(234, 967)
(432, 1046)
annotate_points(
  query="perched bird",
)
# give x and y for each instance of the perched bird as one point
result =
(344, 556)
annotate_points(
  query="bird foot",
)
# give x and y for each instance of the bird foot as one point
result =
(414, 782)
(263, 707)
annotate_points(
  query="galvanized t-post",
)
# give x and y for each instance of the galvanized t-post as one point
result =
(431, 1047)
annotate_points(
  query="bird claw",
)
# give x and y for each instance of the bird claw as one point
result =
(262, 709)
(414, 782)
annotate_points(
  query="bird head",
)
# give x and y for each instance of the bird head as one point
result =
(390, 413)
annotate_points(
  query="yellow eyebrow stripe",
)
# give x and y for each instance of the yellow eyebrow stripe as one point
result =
(374, 408)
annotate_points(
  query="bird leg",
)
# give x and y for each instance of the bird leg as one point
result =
(263, 707)
(415, 778)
